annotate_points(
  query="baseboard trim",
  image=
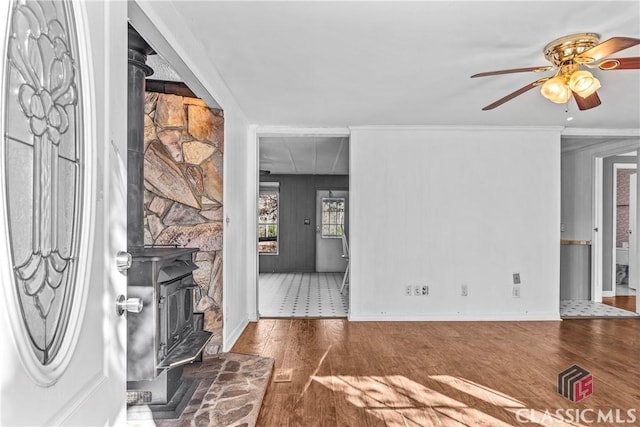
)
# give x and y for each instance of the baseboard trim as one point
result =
(230, 338)
(454, 317)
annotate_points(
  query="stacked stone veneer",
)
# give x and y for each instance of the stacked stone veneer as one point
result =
(183, 143)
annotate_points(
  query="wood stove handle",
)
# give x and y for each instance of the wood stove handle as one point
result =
(131, 305)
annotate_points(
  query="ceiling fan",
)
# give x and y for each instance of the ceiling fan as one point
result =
(568, 55)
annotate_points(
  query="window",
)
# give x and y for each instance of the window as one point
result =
(268, 233)
(332, 217)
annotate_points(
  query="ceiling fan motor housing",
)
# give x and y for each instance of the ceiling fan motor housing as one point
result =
(566, 49)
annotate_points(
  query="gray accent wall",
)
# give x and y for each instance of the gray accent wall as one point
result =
(297, 244)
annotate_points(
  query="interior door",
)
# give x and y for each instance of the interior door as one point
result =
(633, 238)
(62, 212)
(331, 217)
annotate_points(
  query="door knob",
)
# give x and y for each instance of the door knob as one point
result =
(123, 261)
(132, 305)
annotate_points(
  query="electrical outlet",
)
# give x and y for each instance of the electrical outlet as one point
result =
(516, 292)
(516, 278)
(464, 290)
(417, 290)
(407, 290)
(425, 290)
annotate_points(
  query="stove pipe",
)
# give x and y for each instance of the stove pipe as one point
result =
(137, 71)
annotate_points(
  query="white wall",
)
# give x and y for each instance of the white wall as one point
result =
(161, 26)
(445, 207)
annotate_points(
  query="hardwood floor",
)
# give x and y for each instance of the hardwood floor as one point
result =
(440, 373)
(623, 302)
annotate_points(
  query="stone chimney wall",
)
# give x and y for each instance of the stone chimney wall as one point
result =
(184, 147)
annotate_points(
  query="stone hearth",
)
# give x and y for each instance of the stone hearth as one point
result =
(230, 393)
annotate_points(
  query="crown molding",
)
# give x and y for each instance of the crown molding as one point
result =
(301, 131)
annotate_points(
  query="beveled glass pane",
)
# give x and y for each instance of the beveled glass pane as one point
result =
(17, 123)
(66, 203)
(19, 175)
(68, 140)
(42, 151)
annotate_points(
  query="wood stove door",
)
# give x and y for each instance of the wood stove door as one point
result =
(62, 212)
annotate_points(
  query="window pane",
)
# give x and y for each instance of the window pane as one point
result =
(268, 222)
(332, 217)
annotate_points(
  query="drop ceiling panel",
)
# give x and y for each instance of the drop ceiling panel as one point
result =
(305, 155)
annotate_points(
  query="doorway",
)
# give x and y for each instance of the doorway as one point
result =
(623, 210)
(302, 272)
(615, 243)
(588, 230)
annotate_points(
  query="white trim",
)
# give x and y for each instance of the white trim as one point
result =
(276, 131)
(467, 128)
(455, 317)
(596, 247)
(600, 132)
(608, 294)
(614, 146)
(253, 310)
(233, 336)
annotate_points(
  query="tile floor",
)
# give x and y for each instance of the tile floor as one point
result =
(580, 308)
(622, 290)
(303, 295)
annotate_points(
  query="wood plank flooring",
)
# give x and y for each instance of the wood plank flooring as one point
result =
(623, 302)
(440, 373)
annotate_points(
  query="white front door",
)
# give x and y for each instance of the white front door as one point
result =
(62, 212)
(331, 215)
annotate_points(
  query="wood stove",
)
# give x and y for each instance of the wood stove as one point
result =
(164, 336)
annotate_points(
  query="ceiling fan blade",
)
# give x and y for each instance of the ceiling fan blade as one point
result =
(606, 48)
(512, 95)
(514, 70)
(632, 63)
(587, 103)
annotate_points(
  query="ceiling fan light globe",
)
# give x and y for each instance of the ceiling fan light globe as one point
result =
(583, 83)
(556, 90)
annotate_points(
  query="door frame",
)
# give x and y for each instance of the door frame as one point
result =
(612, 148)
(614, 217)
(258, 132)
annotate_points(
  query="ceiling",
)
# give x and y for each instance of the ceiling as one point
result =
(305, 155)
(338, 64)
